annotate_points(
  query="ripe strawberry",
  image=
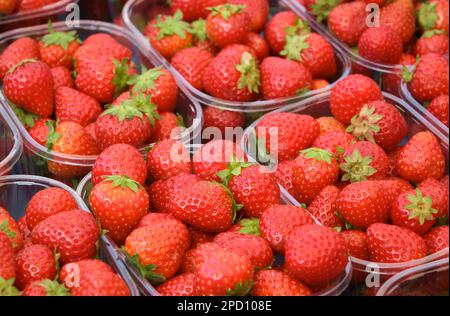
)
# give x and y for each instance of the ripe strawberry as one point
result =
(7, 267)
(62, 77)
(24, 231)
(194, 9)
(438, 193)
(400, 18)
(34, 263)
(7, 7)
(257, 10)
(191, 63)
(223, 120)
(347, 21)
(363, 204)
(393, 244)
(394, 187)
(278, 221)
(46, 203)
(435, 41)
(284, 174)
(9, 227)
(22, 49)
(119, 203)
(198, 237)
(236, 50)
(437, 239)
(284, 78)
(296, 132)
(258, 44)
(356, 242)
(320, 9)
(278, 283)
(29, 5)
(392, 81)
(433, 14)
(330, 124)
(350, 95)
(323, 207)
(168, 158)
(315, 254)
(169, 125)
(72, 233)
(181, 285)
(421, 158)
(247, 226)
(439, 108)
(380, 44)
(29, 85)
(319, 84)
(45, 287)
(40, 130)
(169, 34)
(336, 142)
(196, 256)
(120, 159)
(253, 247)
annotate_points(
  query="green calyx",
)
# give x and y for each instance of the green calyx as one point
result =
(227, 10)
(198, 30)
(62, 39)
(408, 71)
(241, 289)
(300, 27)
(235, 168)
(171, 25)
(317, 154)
(146, 81)
(295, 45)
(235, 207)
(20, 64)
(347, 225)
(427, 16)
(54, 288)
(144, 105)
(123, 112)
(147, 271)
(250, 227)
(357, 168)
(322, 8)
(7, 288)
(26, 118)
(364, 126)
(124, 182)
(431, 33)
(4, 227)
(180, 120)
(121, 76)
(250, 75)
(420, 207)
(52, 136)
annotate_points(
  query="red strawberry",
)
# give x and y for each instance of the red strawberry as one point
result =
(29, 5)
(350, 95)
(194, 9)
(257, 10)
(191, 63)
(421, 158)
(380, 44)
(284, 78)
(356, 242)
(315, 254)
(438, 193)
(347, 21)
(236, 50)
(24, 231)
(62, 77)
(198, 237)
(319, 8)
(40, 130)
(168, 158)
(435, 41)
(400, 18)
(278, 221)
(439, 108)
(392, 81)
(323, 207)
(433, 14)
(394, 187)
(169, 125)
(22, 49)
(393, 244)
(284, 176)
(29, 85)
(7, 7)
(45, 287)
(278, 283)
(72, 233)
(120, 159)
(222, 119)
(330, 124)
(196, 256)
(9, 227)
(363, 204)
(7, 264)
(181, 285)
(336, 142)
(258, 44)
(437, 239)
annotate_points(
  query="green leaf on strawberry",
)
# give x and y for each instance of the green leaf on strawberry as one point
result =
(420, 207)
(427, 15)
(4, 227)
(357, 168)
(52, 136)
(147, 271)
(124, 182)
(123, 112)
(227, 10)
(121, 76)
(431, 33)
(317, 154)
(300, 27)
(7, 288)
(54, 288)
(172, 25)
(62, 39)
(295, 45)
(146, 81)
(26, 118)
(234, 169)
(322, 8)
(241, 289)
(365, 125)
(198, 30)
(250, 74)
(144, 105)
(250, 227)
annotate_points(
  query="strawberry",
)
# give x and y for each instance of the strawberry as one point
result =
(314, 169)
(439, 108)
(34, 263)
(255, 248)
(421, 158)
(194, 9)
(258, 44)
(392, 81)
(284, 176)
(284, 78)
(347, 21)
(247, 226)
(433, 14)
(400, 18)
(336, 142)
(168, 158)
(363, 203)
(380, 44)
(168, 34)
(227, 24)
(46, 203)
(315, 254)
(221, 119)
(393, 244)
(40, 130)
(296, 132)
(330, 124)
(364, 161)
(7, 7)
(435, 41)
(169, 125)
(22, 49)
(233, 77)
(236, 50)
(320, 9)
(394, 187)
(278, 221)
(356, 242)
(438, 192)
(350, 95)
(119, 203)
(198, 237)
(196, 256)
(200, 38)
(62, 77)
(74, 106)
(29, 5)
(24, 231)
(278, 283)
(191, 63)
(9, 227)
(257, 10)
(72, 233)
(7, 264)
(319, 84)
(45, 287)
(323, 207)
(29, 85)
(181, 285)
(437, 239)
(120, 159)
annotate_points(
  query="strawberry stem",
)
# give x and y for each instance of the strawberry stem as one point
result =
(250, 75)
(420, 207)
(364, 125)
(357, 168)
(171, 25)
(227, 10)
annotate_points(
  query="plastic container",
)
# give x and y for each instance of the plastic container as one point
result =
(34, 153)
(136, 20)
(15, 193)
(334, 289)
(10, 144)
(318, 106)
(54, 11)
(430, 279)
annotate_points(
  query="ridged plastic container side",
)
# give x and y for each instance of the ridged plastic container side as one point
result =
(10, 144)
(135, 18)
(15, 193)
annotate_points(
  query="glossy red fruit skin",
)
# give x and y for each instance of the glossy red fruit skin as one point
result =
(400, 18)
(278, 221)
(394, 187)
(350, 95)
(323, 207)
(258, 44)
(392, 244)
(181, 285)
(24, 231)
(223, 32)
(236, 50)
(257, 10)
(222, 119)
(190, 63)
(12, 227)
(334, 141)
(284, 176)
(196, 256)
(21, 49)
(194, 9)
(319, 57)
(391, 82)
(437, 44)
(437, 239)
(7, 264)
(438, 192)
(347, 22)
(168, 126)
(56, 56)
(275, 30)
(315, 254)
(356, 242)
(440, 109)
(277, 283)
(62, 77)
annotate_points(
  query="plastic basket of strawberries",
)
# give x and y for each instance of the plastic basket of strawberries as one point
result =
(78, 98)
(10, 144)
(369, 165)
(242, 58)
(205, 222)
(49, 242)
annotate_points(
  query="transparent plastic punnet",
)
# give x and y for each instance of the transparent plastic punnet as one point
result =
(135, 18)
(54, 11)
(35, 153)
(10, 144)
(319, 106)
(15, 193)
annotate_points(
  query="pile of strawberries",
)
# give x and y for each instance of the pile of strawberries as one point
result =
(51, 251)
(78, 98)
(8, 7)
(218, 47)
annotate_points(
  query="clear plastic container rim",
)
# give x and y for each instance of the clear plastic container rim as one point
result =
(16, 151)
